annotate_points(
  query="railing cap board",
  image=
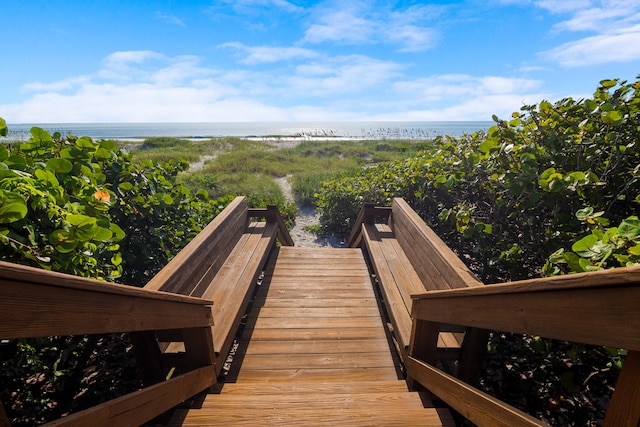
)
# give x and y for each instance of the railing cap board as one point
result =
(25, 274)
(623, 276)
(456, 271)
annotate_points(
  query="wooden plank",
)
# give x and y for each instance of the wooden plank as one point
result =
(315, 375)
(301, 388)
(327, 323)
(17, 273)
(321, 283)
(392, 296)
(476, 406)
(186, 266)
(322, 312)
(233, 289)
(353, 418)
(35, 310)
(417, 234)
(276, 362)
(624, 407)
(544, 307)
(312, 302)
(316, 334)
(141, 406)
(379, 345)
(311, 292)
(272, 214)
(320, 253)
(337, 401)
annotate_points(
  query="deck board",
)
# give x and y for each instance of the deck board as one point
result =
(315, 351)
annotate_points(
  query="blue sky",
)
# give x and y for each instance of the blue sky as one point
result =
(290, 60)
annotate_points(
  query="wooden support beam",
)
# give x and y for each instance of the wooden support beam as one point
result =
(624, 407)
(478, 407)
(136, 408)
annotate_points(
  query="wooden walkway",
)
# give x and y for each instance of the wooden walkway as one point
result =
(314, 352)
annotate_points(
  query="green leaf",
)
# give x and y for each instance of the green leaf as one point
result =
(85, 142)
(125, 186)
(3, 127)
(612, 117)
(118, 233)
(13, 207)
(4, 153)
(63, 241)
(116, 259)
(584, 247)
(102, 235)
(103, 154)
(46, 176)
(83, 227)
(634, 250)
(630, 227)
(59, 165)
(39, 135)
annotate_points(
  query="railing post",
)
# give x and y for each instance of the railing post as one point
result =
(472, 352)
(4, 420)
(198, 345)
(624, 407)
(148, 357)
(423, 344)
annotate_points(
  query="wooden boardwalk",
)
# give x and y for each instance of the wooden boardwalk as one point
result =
(314, 352)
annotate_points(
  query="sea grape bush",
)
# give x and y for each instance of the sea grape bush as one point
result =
(84, 207)
(78, 206)
(507, 198)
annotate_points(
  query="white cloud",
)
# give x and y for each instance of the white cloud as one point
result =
(615, 28)
(170, 19)
(267, 54)
(342, 75)
(360, 22)
(351, 87)
(561, 6)
(622, 46)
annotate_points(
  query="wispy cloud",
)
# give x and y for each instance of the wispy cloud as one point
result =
(620, 46)
(150, 87)
(361, 22)
(169, 19)
(615, 28)
(253, 55)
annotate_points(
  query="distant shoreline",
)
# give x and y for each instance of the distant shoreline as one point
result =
(263, 131)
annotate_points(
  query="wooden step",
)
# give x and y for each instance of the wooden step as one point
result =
(286, 387)
(389, 408)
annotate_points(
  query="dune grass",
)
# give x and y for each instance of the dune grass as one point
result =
(248, 167)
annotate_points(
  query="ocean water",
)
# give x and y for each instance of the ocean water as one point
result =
(308, 130)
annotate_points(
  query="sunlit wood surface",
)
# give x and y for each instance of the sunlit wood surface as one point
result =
(314, 352)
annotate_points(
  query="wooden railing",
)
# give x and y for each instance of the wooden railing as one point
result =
(39, 303)
(600, 308)
(220, 264)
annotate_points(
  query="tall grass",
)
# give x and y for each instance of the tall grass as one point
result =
(249, 168)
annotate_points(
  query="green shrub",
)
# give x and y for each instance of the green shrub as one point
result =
(504, 200)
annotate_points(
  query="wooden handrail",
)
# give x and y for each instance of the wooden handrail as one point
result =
(38, 303)
(272, 214)
(367, 214)
(599, 308)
